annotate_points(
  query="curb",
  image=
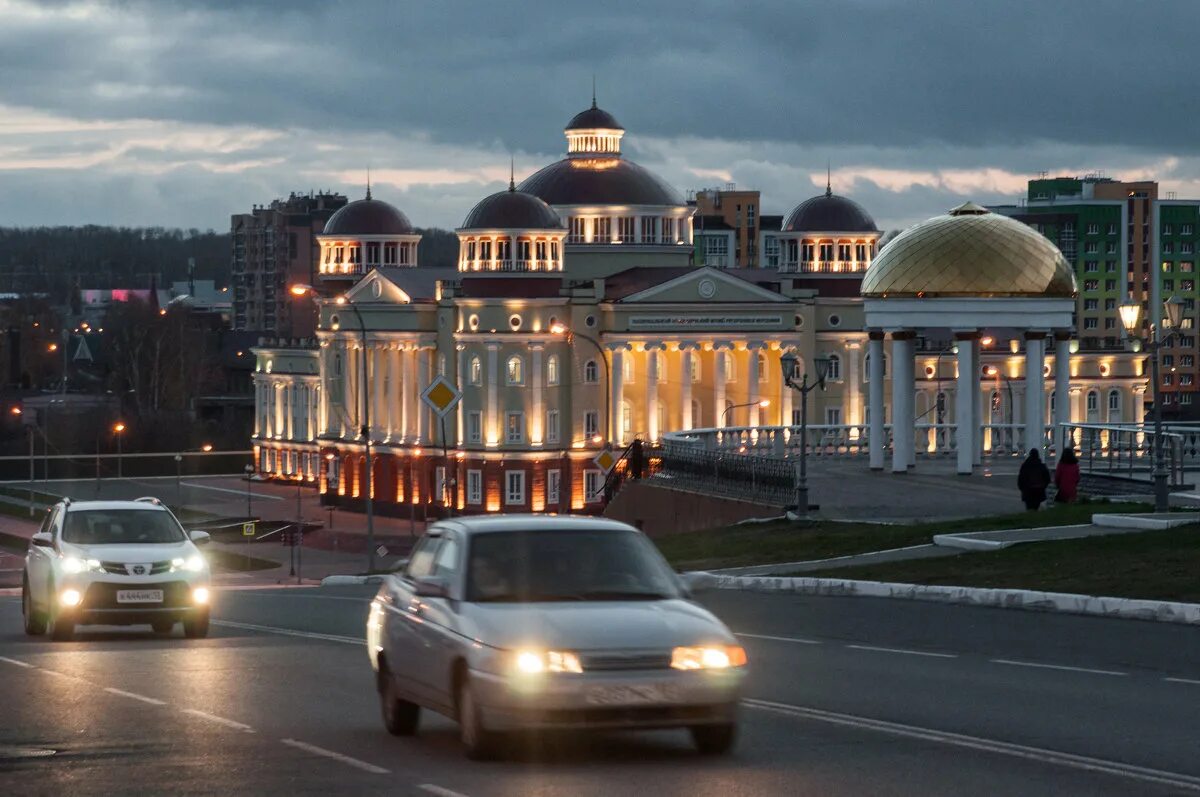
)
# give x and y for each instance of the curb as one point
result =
(1028, 600)
(341, 581)
(1149, 522)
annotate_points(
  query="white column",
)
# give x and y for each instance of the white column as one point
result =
(407, 388)
(753, 392)
(616, 378)
(983, 405)
(1035, 390)
(354, 387)
(537, 418)
(965, 404)
(653, 364)
(424, 414)
(785, 395)
(685, 387)
(378, 395)
(462, 381)
(491, 434)
(1062, 389)
(853, 379)
(903, 389)
(395, 417)
(875, 399)
(719, 356)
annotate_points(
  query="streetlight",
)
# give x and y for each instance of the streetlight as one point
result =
(1131, 313)
(764, 404)
(561, 329)
(118, 427)
(788, 363)
(304, 290)
(179, 479)
(249, 472)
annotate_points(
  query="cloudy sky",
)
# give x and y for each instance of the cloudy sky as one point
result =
(180, 113)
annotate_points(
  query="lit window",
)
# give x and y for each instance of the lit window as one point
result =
(552, 370)
(474, 487)
(515, 371)
(476, 376)
(514, 427)
(514, 487)
(834, 374)
(591, 423)
(763, 375)
(553, 487)
(593, 485)
(474, 427)
(552, 430)
(591, 372)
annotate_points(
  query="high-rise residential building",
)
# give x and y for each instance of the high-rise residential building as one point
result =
(1124, 240)
(727, 226)
(275, 246)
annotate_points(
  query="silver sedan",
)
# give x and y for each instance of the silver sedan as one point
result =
(533, 622)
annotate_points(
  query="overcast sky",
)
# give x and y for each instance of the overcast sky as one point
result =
(180, 113)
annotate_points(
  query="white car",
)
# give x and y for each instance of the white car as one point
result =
(114, 563)
(528, 622)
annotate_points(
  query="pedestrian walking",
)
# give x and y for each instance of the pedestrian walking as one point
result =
(1066, 477)
(1032, 480)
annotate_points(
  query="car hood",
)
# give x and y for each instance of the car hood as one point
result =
(607, 625)
(131, 553)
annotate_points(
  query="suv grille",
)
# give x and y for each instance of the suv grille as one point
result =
(120, 569)
(633, 660)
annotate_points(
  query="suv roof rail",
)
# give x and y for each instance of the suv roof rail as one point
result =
(148, 499)
(66, 500)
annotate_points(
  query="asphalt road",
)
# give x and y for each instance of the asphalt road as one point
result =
(846, 696)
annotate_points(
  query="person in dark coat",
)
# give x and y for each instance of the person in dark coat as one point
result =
(1032, 480)
(1066, 476)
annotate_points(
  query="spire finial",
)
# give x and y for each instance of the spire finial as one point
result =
(368, 182)
(593, 90)
(828, 180)
(512, 173)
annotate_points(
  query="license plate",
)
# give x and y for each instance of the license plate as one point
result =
(139, 596)
(631, 695)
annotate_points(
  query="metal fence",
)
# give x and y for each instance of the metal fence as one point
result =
(42, 467)
(757, 478)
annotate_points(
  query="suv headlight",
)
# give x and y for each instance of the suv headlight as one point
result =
(73, 564)
(708, 657)
(193, 564)
(536, 662)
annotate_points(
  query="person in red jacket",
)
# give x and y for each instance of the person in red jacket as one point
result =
(1066, 476)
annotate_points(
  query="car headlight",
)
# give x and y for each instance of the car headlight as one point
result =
(200, 596)
(194, 563)
(535, 662)
(708, 657)
(73, 564)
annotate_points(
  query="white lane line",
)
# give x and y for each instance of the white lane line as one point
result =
(291, 595)
(1192, 681)
(56, 673)
(441, 791)
(26, 665)
(906, 652)
(135, 696)
(214, 718)
(1071, 760)
(797, 640)
(1062, 667)
(269, 629)
(235, 492)
(345, 759)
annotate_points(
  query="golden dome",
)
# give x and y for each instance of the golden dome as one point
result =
(969, 252)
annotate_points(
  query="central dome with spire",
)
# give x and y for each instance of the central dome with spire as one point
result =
(829, 212)
(512, 210)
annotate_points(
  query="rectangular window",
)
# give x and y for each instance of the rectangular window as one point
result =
(667, 227)
(626, 226)
(485, 250)
(1185, 398)
(1187, 266)
(1185, 379)
(1187, 229)
(1091, 248)
(1089, 323)
(1110, 248)
(826, 252)
(1091, 266)
(576, 235)
(552, 430)
(730, 367)
(373, 253)
(514, 427)
(1091, 304)
(1110, 323)
(602, 232)
(1187, 248)
(1110, 285)
(474, 487)
(593, 485)
(540, 250)
(649, 229)
(591, 423)
(1168, 285)
(807, 251)
(1187, 360)
(1167, 230)
(1093, 229)
(475, 426)
(470, 250)
(554, 251)
(1091, 285)
(843, 252)
(523, 250)
(514, 487)
(389, 254)
(1110, 304)
(1168, 248)
(833, 416)
(1112, 229)
(553, 487)
(1187, 286)
(771, 251)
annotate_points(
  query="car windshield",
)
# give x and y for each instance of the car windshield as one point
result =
(563, 565)
(117, 526)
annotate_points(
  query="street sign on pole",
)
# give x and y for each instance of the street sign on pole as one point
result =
(248, 529)
(441, 396)
(605, 460)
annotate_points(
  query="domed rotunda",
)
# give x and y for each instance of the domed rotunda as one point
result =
(828, 234)
(511, 231)
(364, 235)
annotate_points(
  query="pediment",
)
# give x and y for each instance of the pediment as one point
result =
(377, 288)
(702, 286)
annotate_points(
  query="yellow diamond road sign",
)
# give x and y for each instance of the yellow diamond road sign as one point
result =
(605, 460)
(441, 396)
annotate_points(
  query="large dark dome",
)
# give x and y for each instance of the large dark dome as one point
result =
(368, 217)
(512, 210)
(594, 119)
(599, 181)
(829, 213)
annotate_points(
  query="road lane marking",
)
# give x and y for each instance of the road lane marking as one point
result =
(1062, 667)
(291, 595)
(26, 665)
(1070, 760)
(345, 759)
(904, 651)
(1183, 681)
(797, 640)
(269, 629)
(135, 696)
(441, 791)
(222, 720)
(57, 674)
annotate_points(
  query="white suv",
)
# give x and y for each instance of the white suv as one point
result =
(114, 563)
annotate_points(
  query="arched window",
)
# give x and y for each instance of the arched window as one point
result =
(591, 372)
(337, 364)
(552, 370)
(835, 368)
(476, 372)
(626, 418)
(1093, 400)
(514, 372)
(1114, 405)
(763, 376)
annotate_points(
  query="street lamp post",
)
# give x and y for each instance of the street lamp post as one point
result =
(788, 363)
(118, 427)
(1131, 313)
(179, 479)
(764, 404)
(249, 473)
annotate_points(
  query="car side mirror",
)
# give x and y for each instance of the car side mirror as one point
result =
(698, 581)
(42, 540)
(432, 587)
(200, 537)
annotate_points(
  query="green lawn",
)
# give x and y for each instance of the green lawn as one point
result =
(768, 543)
(1159, 565)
